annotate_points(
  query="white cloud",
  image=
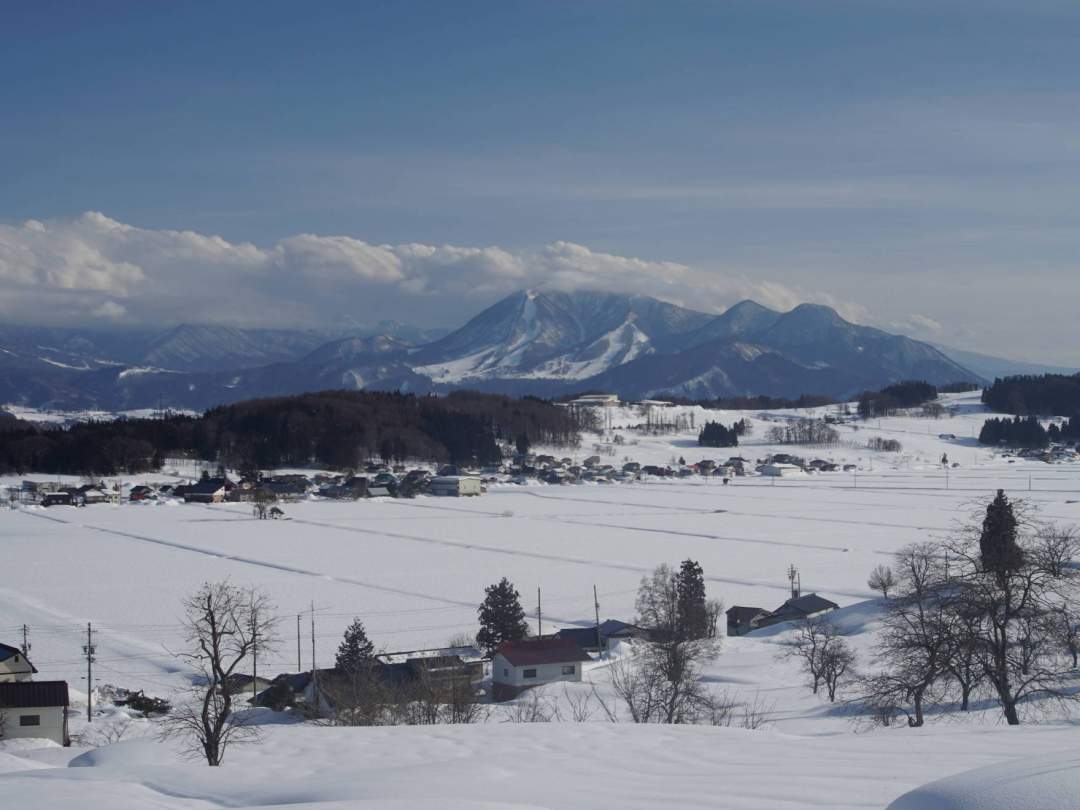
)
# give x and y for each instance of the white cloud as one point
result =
(95, 268)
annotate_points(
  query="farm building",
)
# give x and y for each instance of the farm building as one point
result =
(456, 486)
(778, 470)
(35, 709)
(521, 665)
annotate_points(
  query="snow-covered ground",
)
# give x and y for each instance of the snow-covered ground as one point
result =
(415, 571)
(501, 765)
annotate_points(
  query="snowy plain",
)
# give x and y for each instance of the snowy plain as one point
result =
(415, 571)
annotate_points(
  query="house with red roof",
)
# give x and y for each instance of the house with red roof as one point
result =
(529, 662)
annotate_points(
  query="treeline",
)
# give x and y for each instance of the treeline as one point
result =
(1027, 431)
(716, 434)
(891, 398)
(803, 431)
(333, 429)
(756, 403)
(1044, 394)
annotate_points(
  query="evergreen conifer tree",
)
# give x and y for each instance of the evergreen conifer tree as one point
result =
(501, 616)
(692, 620)
(997, 543)
(356, 652)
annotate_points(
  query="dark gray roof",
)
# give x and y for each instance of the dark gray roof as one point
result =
(740, 613)
(32, 694)
(804, 606)
(208, 486)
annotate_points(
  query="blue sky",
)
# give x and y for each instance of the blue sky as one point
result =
(915, 164)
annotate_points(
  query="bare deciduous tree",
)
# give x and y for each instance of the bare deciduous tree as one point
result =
(658, 600)
(825, 657)
(914, 643)
(535, 707)
(225, 626)
(882, 579)
(1014, 611)
(663, 684)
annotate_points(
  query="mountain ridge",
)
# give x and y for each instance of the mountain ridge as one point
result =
(540, 342)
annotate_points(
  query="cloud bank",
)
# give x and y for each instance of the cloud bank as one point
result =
(95, 270)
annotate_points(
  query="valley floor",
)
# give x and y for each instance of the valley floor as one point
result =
(415, 571)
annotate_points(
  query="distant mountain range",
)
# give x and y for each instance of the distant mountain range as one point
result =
(531, 342)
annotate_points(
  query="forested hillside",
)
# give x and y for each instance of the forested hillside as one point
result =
(335, 429)
(1044, 395)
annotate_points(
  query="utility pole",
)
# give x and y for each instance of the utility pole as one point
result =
(792, 573)
(314, 676)
(25, 641)
(596, 606)
(299, 665)
(89, 649)
(539, 616)
(254, 655)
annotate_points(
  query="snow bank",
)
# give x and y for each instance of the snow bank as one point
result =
(1044, 783)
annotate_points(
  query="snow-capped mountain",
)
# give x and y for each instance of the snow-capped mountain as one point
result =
(531, 342)
(555, 336)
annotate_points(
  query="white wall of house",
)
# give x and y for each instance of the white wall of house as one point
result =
(503, 672)
(781, 470)
(15, 668)
(455, 486)
(44, 722)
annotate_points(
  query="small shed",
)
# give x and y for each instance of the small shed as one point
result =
(455, 486)
(741, 619)
(780, 470)
(35, 709)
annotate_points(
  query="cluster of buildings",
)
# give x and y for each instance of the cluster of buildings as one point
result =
(30, 708)
(285, 487)
(741, 619)
(783, 465)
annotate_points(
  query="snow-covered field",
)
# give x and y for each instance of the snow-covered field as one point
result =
(415, 571)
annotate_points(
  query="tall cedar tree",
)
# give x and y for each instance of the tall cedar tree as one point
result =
(692, 619)
(997, 543)
(501, 616)
(356, 652)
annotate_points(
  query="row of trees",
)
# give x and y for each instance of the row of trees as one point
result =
(990, 614)
(803, 431)
(335, 429)
(757, 403)
(1016, 432)
(891, 398)
(1043, 394)
(884, 445)
(716, 434)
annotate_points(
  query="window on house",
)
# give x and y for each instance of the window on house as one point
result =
(528, 673)
(569, 669)
(506, 672)
(30, 720)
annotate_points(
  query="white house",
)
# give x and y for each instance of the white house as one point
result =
(520, 665)
(456, 486)
(14, 666)
(34, 709)
(781, 470)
